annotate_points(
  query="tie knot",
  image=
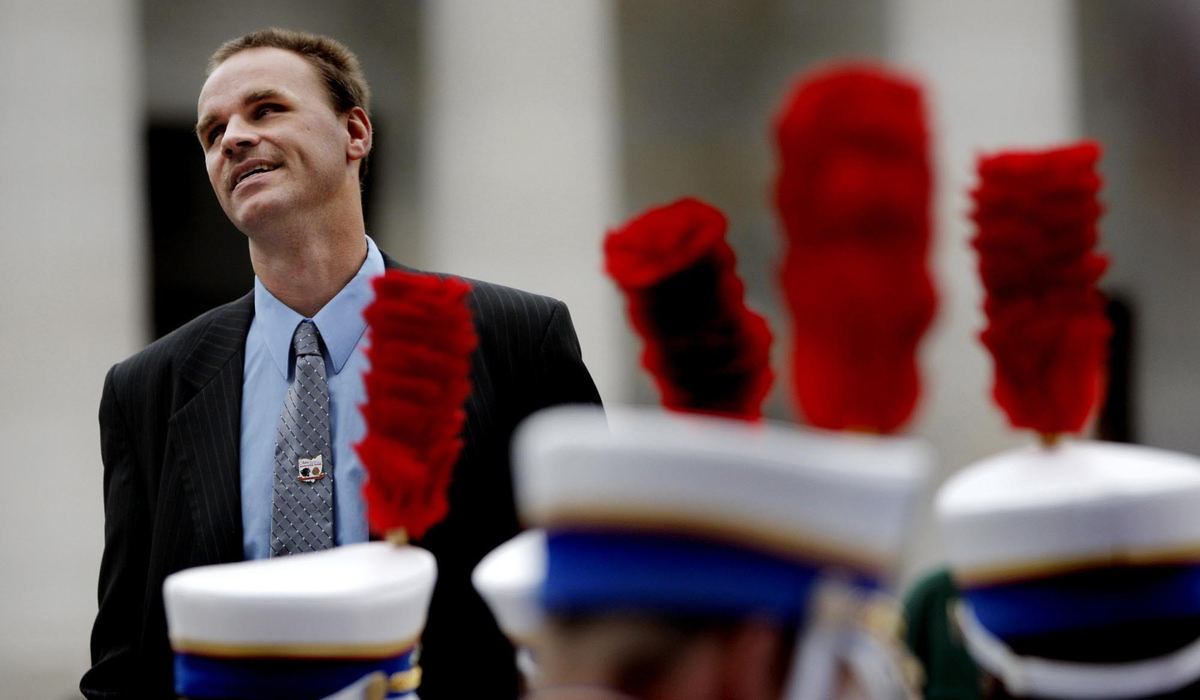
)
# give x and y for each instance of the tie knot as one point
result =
(306, 340)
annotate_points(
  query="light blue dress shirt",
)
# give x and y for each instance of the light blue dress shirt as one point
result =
(268, 373)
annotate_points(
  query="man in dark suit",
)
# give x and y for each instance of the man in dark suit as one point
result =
(283, 121)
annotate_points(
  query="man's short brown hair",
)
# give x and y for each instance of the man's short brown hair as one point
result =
(336, 64)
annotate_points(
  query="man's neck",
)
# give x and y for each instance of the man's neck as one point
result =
(305, 272)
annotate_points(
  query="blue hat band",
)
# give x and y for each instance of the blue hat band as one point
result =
(296, 679)
(606, 570)
(1087, 600)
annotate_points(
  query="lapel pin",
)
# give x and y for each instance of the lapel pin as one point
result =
(311, 468)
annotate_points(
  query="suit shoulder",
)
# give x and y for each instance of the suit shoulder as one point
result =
(487, 298)
(230, 319)
(492, 297)
(506, 316)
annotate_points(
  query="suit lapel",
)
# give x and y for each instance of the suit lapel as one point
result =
(390, 263)
(207, 431)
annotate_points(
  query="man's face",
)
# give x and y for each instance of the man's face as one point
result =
(274, 147)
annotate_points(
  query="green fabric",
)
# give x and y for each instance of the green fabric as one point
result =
(950, 673)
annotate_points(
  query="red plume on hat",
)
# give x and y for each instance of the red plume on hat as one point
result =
(421, 340)
(1036, 214)
(706, 350)
(853, 193)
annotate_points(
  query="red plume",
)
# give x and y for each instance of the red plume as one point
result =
(1047, 332)
(708, 353)
(420, 353)
(853, 194)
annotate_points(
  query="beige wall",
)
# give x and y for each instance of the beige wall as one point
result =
(996, 76)
(72, 257)
(518, 147)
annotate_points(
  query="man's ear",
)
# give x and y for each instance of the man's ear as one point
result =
(358, 126)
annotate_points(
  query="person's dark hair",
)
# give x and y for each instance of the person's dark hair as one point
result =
(336, 64)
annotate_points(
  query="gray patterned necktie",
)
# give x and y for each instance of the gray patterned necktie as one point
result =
(302, 499)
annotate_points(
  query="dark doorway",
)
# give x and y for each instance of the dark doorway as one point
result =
(198, 259)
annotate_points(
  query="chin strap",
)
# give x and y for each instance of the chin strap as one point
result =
(813, 673)
(527, 666)
(852, 635)
(1038, 677)
(370, 687)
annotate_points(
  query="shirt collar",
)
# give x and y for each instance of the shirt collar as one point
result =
(340, 322)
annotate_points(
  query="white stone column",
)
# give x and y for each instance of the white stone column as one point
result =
(519, 156)
(72, 284)
(997, 76)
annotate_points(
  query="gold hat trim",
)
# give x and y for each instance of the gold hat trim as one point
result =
(280, 650)
(405, 681)
(978, 576)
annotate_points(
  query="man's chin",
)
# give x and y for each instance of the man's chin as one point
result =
(254, 214)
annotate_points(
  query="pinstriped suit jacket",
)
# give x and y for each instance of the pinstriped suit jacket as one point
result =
(170, 427)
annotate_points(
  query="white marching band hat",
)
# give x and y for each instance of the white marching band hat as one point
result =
(1078, 545)
(309, 625)
(644, 510)
(509, 579)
